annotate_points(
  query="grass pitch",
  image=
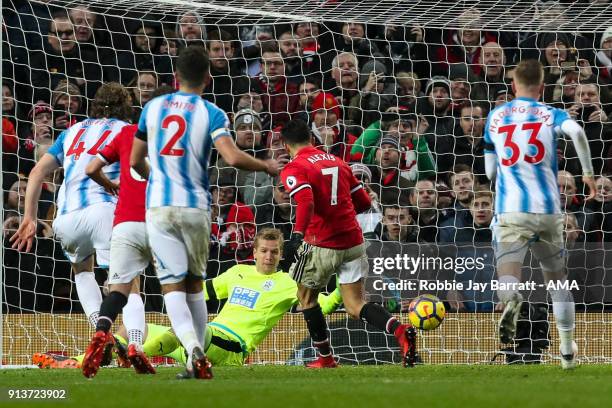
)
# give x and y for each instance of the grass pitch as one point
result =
(288, 387)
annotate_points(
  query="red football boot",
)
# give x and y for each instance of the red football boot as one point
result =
(406, 337)
(121, 352)
(139, 360)
(323, 362)
(202, 368)
(95, 353)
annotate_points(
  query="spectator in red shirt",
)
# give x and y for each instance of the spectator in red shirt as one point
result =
(329, 134)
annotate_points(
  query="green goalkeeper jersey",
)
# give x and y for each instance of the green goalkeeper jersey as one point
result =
(255, 302)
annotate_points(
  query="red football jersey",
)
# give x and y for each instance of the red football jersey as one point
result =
(132, 187)
(333, 224)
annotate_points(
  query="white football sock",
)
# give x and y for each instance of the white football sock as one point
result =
(505, 295)
(89, 295)
(199, 312)
(565, 317)
(181, 319)
(134, 319)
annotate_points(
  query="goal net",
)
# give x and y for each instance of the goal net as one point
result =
(401, 90)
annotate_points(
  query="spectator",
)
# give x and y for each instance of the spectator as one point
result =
(308, 90)
(503, 95)
(353, 39)
(170, 45)
(67, 103)
(276, 148)
(462, 191)
(16, 196)
(344, 78)
(493, 63)
(589, 110)
(387, 181)
(190, 29)
(226, 78)
(141, 88)
(368, 220)
(396, 225)
(602, 207)
(471, 239)
(329, 134)
(404, 45)
(290, 50)
(277, 214)
(280, 98)
(571, 204)
(464, 88)
(445, 199)
(603, 58)
(436, 109)
(408, 89)
(376, 95)
(84, 21)
(251, 100)
(9, 107)
(469, 143)
(10, 145)
(424, 200)
(40, 132)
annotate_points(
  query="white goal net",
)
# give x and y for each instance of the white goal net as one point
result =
(400, 89)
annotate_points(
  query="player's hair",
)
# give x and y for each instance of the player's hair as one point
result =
(191, 63)
(269, 234)
(529, 73)
(296, 132)
(112, 100)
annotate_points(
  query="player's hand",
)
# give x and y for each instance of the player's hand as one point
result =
(24, 237)
(589, 182)
(272, 167)
(291, 248)
(112, 188)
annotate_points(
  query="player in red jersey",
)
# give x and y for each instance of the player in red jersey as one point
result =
(129, 254)
(327, 239)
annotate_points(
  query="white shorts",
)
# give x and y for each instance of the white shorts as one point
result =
(179, 239)
(129, 252)
(515, 233)
(83, 232)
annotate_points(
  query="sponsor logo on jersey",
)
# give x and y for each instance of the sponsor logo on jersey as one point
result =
(244, 297)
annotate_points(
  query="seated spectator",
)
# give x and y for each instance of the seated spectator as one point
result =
(368, 220)
(344, 79)
(465, 88)
(329, 134)
(396, 225)
(446, 201)
(493, 67)
(408, 89)
(170, 45)
(308, 90)
(141, 88)
(290, 50)
(276, 148)
(603, 58)
(84, 21)
(570, 203)
(255, 187)
(227, 79)
(278, 213)
(602, 208)
(436, 108)
(469, 143)
(424, 202)
(589, 111)
(15, 199)
(376, 95)
(39, 132)
(462, 191)
(473, 240)
(503, 95)
(68, 106)
(280, 98)
(190, 29)
(387, 180)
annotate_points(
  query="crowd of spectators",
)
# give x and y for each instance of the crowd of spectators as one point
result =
(406, 106)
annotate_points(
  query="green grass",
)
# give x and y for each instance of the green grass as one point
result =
(288, 387)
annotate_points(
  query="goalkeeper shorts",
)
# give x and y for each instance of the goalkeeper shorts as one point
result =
(222, 349)
(85, 232)
(315, 265)
(179, 238)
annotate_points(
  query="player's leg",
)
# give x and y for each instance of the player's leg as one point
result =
(87, 288)
(311, 271)
(351, 288)
(549, 252)
(513, 234)
(171, 263)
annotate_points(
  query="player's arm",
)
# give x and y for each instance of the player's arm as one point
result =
(237, 158)
(138, 155)
(572, 129)
(24, 236)
(217, 288)
(490, 156)
(361, 199)
(94, 172)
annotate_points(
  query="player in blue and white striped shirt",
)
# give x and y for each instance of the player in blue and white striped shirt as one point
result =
(177, 131)
(85, 210)
(521, 150)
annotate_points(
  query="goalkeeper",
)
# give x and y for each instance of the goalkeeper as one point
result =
(257, 298)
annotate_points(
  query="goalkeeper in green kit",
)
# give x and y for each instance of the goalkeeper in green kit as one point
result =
(257, 298)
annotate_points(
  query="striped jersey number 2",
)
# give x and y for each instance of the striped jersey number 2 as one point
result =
(169, 149)
(533, 128)
(332, 171)
(77, 147)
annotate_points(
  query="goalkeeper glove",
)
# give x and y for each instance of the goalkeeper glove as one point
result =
(292, 247)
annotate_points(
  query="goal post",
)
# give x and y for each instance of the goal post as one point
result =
(360, 73)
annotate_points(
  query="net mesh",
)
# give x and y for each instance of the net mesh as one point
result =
(359, 63)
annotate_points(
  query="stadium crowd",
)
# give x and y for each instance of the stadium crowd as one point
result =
(406, 106)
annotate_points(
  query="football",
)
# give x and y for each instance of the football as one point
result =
(426, 312)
